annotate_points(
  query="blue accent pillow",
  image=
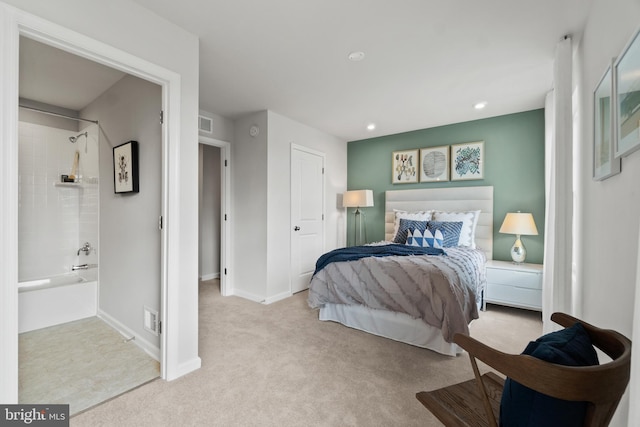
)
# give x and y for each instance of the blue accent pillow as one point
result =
(426, 239)
(404, 226)
(522, 406)
(450, 229)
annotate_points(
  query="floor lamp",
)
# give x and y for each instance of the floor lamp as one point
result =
(358, 199)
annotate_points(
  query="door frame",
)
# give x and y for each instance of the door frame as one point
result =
(296, 147)
(16, 23)
(226, 273)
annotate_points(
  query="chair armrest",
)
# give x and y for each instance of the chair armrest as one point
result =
(532, 372)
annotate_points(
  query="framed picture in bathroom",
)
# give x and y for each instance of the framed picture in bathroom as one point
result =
(125, 168)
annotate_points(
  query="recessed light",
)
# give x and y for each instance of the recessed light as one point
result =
(371, 126)
(480, 105)
(356, 56)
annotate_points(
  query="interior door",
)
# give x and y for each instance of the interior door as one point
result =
(307, 214)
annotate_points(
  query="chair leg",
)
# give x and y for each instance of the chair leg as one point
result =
(483, 392)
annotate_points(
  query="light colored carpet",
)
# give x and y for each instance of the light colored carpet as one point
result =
(80, 363)
(277, 365)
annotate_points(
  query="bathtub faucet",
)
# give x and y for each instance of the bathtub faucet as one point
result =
(86, 248)
(83, 266)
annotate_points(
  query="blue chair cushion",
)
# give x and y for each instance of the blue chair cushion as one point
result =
(524, 407)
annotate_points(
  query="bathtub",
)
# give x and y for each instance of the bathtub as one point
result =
(55, 300)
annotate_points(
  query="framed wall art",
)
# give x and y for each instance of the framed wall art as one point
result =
(605, 164)
(467, 161)
(405, 167)
(434, 164)
(627, 83)
(125, 168)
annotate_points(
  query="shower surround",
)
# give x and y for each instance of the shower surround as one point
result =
(55, 218)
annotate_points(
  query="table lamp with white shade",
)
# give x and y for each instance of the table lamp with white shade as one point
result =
(358, 199)
(520, 224)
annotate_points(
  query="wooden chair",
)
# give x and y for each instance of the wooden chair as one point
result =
(477, 402)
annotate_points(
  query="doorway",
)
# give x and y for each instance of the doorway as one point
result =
(178, 296)
(307, 214)
(215, 213)
(120, 254)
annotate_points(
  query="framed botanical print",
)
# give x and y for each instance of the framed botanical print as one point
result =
(434, 164)
(125, 168)
(467, 161)
(405, 166)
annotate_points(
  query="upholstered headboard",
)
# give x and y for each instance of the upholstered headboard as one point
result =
(455, 199)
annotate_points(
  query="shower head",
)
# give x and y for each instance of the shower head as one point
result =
(73, 139)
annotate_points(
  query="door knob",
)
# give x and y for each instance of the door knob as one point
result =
(296, 228)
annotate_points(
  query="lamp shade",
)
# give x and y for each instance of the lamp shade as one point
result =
(519, 223)
(357, 199)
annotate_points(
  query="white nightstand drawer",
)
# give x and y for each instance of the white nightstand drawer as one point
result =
(522, 279)
(514, 296)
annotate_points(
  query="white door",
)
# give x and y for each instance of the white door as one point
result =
(307, 214)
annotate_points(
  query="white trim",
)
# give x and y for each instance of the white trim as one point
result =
(16, 22)
(187, 367)
(145, 345)
(226, 281)
(276, 298)
(250, 296)
(9, 202)
(211, 276)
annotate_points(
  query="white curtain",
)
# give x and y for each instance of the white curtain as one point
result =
(558, 255)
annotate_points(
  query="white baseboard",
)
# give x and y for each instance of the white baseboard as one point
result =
(185, 368)
(247, 295)
(145, 345)
(210, 276)
(260, 299)
(278, 297)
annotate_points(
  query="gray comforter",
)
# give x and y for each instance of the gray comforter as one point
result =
(443, 291)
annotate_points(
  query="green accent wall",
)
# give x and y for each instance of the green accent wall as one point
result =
(513, 165)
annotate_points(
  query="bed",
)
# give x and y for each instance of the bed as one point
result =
(418, 299)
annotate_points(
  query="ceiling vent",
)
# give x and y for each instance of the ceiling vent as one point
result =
(205, 124)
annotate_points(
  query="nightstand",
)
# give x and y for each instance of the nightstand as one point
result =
(515, 285)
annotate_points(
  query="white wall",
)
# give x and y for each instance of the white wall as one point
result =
(249, 189)
(129, 237)
(282, 133)
(119, 31)
(262, 200)
(223, 128)
(610, 209)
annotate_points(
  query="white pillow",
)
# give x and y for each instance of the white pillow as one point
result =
(416, 216)
(469, 222)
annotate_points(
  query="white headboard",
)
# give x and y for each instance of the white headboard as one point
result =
(454, 199)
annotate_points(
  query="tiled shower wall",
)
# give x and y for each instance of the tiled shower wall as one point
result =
(54, 220)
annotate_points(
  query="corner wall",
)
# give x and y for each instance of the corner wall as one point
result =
(261, 170)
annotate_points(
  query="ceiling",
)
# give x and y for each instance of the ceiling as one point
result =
(427, 62)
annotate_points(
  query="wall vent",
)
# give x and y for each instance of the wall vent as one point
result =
(205, 124)
(151, 320)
